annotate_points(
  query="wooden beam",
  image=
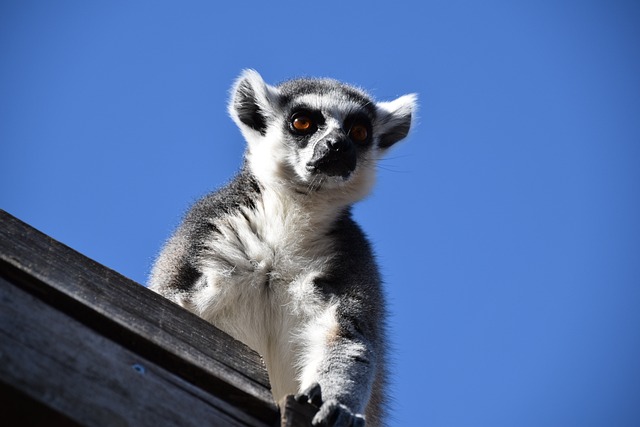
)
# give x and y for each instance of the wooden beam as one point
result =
(296, 414)
(69, 322)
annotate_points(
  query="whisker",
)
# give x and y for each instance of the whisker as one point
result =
(387, 158)
(393, 170)
(368, 162)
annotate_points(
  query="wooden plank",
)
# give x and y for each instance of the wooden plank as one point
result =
(136, 318)
(296, 414)
(60, 362)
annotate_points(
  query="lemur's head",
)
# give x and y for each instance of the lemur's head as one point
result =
(316, 135)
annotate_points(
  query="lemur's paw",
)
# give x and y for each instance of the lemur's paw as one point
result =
(312, 395)
(331, 413)
(335, 414)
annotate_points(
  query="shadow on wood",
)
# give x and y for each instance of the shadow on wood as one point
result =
(84, 345)
(295, 414)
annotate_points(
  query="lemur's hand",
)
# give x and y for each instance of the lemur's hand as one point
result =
(331, 413)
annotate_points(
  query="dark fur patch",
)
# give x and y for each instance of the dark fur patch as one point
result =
(247, 108)
(396, 133)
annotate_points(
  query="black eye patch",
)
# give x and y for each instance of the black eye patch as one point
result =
(305, 121)
(358, 127)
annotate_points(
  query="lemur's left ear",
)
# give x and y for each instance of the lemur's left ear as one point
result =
(394, 119)
(252, 102)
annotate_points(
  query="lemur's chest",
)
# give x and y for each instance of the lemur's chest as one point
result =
(273, 241)
(260, 269)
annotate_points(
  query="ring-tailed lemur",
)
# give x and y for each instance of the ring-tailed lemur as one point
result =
(275, 259)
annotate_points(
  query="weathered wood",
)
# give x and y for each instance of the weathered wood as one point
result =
(92, 380)
(177, 346)
(296, 414)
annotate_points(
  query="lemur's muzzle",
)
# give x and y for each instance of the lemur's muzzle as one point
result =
(334, 155)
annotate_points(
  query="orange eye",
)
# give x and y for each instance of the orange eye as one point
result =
(358, 133)
(302, 123)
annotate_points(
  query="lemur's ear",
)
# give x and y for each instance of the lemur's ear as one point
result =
(252, 102)
(394, 119)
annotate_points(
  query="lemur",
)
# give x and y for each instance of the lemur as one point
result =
(275, 259)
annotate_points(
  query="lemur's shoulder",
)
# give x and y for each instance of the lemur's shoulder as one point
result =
(241, 191)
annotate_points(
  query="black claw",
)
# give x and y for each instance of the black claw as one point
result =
(315, 395)
(301, 398)
(312, 395)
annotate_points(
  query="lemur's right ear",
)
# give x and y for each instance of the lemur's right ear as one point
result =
(252, 102)
(395, 119)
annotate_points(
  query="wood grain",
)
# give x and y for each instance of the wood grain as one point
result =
(92, 380)
(126, 322)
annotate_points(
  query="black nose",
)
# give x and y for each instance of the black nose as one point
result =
(333, 157)
(337, 144)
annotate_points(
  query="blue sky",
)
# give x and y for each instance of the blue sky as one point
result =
(507, 225)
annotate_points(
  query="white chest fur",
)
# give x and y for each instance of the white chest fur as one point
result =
(258, 283)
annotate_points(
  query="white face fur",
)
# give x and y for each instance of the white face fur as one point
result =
(316, 136)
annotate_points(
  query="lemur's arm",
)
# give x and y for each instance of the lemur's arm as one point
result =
(346, 351)
(343, 364)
